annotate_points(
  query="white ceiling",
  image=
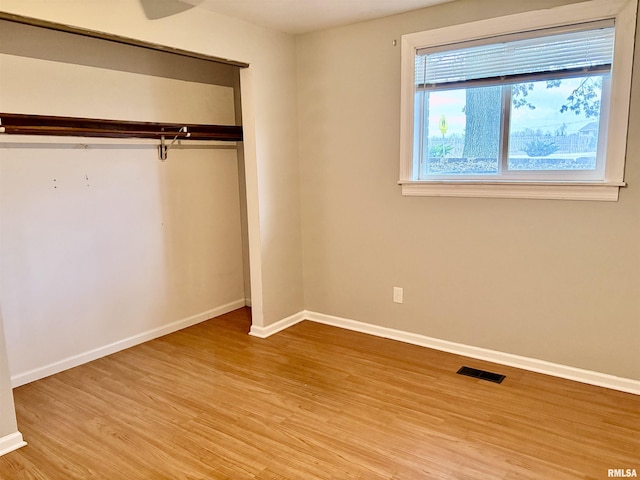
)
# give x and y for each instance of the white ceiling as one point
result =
(301, 16)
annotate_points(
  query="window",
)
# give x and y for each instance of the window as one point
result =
(533, 105)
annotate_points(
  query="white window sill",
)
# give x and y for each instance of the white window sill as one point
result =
(600, 191)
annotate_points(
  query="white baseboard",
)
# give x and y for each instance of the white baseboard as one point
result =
(531, 364)
(75, 360)
(264, 332)
(247, 302)
(11, 442)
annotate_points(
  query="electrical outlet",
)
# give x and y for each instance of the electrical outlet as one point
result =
(397, 294)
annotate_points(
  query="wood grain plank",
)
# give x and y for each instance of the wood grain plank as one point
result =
(313, 402)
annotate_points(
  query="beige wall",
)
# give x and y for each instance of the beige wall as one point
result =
(553, 280)
(8, 423)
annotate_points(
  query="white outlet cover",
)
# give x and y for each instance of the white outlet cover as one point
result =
(397, 294)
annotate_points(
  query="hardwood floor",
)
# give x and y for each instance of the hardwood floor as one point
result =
(313, 402)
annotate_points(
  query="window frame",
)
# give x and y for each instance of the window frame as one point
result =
(623, 12)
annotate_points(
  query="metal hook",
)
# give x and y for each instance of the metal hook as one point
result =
(163, 150)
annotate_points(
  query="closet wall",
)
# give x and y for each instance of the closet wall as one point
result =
(101, 244)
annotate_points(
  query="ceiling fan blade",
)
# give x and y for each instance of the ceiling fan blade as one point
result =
(155, 9)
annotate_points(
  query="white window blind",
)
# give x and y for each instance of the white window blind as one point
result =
(589, 50)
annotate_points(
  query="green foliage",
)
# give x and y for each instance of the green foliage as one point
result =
(585, 98)
(519, 93)
(540, 148)
(436, 150)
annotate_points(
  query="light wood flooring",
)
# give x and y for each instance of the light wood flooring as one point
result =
(313, 402)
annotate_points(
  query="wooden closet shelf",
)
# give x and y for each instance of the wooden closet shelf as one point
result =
(23, 124)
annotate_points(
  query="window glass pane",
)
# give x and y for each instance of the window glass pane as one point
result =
(555, 124)
(461, 131)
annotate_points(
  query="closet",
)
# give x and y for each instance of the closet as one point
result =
(122, 204)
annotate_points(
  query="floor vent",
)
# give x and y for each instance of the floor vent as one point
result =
(481, 374)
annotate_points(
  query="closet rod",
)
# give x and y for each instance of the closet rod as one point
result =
(23, 124)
